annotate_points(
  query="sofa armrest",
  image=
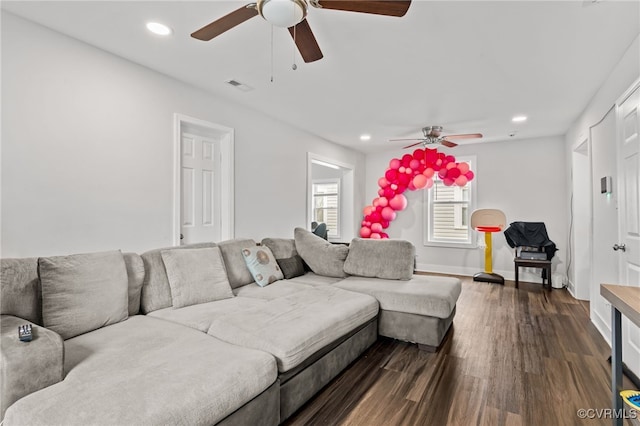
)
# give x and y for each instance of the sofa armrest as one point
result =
(27, 367)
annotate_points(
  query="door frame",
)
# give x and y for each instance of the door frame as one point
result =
(183, 123)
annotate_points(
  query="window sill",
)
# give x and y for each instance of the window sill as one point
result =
(450, 244)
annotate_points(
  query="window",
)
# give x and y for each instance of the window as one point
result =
(448, 211)
(326, 205)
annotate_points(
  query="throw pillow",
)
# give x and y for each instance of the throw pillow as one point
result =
(388, 259)
(83, 292)
(262, 264)
(322, 257)
(237, 270)
(196, 276)
(291, 266)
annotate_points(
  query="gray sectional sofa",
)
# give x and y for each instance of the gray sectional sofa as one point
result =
(134, 339)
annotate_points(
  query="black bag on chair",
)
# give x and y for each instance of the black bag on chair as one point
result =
(530, 234)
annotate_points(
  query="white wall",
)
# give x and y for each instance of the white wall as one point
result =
(624, 74)
(525, 179)
(87, 158)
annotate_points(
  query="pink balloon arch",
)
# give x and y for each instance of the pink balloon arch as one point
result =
(412, 172)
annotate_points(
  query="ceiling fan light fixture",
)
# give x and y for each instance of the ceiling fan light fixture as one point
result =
(283, 13)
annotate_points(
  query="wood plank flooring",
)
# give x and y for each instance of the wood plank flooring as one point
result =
(522, 356)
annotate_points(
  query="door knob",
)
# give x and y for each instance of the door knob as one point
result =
(621, 247)
(182, 238)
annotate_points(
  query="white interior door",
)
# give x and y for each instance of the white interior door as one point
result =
(629, 215)
(200, 189)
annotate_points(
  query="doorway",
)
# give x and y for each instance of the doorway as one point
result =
(203, 181)
(330, 196)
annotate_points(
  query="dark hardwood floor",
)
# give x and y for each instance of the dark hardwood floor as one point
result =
(522, 356)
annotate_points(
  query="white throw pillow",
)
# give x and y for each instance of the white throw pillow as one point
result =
(262, 264)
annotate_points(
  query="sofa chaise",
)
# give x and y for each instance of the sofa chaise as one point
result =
(133, 339)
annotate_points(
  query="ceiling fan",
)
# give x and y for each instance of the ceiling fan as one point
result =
(292, 14)
(433, 135)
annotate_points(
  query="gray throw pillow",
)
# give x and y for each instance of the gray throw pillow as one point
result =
(388, 259)
(322, 257)
(291, 266)
(83, 292)
(196, 276)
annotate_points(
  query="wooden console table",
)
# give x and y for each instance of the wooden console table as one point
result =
(624, 300)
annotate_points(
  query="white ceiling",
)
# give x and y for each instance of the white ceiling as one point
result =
(469, 66)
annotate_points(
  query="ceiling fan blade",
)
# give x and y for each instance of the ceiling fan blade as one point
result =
(378, 7)
(225, 23)
(306, 41)
(448, 143)
(467, 136)
(412, 145)
(411, 139)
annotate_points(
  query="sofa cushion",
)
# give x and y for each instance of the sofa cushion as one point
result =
(237, 270)
(432, 296)
(196, 276)
(322, 257)
(274, 291)
(83, 292)
(280, 247)
(291, 266)
(135, 273)
(389, 259)
(20, 292)
(315, 280)
(147, 371)
(156, 292)
(201, 316)
(262, 265)
(294, 327)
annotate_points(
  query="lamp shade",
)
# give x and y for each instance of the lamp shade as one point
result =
(283, 13)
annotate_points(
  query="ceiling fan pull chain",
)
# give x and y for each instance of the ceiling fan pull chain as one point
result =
(294, 66)
(272, 53)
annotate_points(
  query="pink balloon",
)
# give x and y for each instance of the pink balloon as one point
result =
(375, 217)
(453, 173)
(381, 192)
(367, 210)
(365, 232)
(402, 169)
(394, 164)
(450, 165)
(420, 181)
(461, 180)
(414, 164)
(447, 181)
(411, 186)
(388, 214)
(391, 175)
(388, 193)
(464, 167)
(428, 172)
(418, 154)
(375, 236)
(450, 159)
(442, 173)
(429, 183)
(384, 235)
(469, 175)
(383, 182)
(384, 223)
(399, 202)
(376, 227)
(406, 159)
(375, 202)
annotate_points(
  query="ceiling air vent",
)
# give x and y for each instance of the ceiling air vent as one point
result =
(238, 85)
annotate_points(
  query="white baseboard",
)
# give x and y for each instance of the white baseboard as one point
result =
(469, 272)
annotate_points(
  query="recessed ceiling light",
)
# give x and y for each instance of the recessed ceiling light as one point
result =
(158, 28)
(519, 118)
(365, 137)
